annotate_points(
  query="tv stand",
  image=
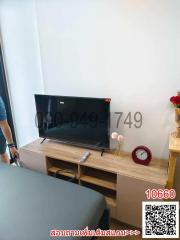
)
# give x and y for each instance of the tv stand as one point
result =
(102, 152)
(43, 140)
(118, 178)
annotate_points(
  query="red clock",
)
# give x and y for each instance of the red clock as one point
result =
(142, 155)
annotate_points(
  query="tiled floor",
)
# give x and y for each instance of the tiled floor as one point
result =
(115, 225)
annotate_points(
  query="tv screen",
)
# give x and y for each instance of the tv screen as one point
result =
(76, 120)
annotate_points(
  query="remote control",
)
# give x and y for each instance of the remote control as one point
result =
(85, 156)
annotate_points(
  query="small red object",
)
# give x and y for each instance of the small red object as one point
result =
(142, 155)
(175, 99)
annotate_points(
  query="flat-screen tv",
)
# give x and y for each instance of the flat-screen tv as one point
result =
(79, 121)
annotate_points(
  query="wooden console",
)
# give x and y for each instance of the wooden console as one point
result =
(122, 181)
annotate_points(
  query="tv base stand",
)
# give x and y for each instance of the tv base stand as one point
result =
(43, 140)
(102, 152)
(118, 178)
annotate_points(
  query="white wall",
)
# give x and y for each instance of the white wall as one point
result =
(128, 50)
(22, 59)
(124, 49)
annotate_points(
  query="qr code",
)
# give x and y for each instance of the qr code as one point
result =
(160, 219)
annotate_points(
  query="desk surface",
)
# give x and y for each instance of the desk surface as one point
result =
(155, 172)
(174, 143)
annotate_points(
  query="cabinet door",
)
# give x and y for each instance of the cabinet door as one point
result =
(130, 194)
(33, 161)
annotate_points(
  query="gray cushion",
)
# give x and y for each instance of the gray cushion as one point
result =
(32, 204)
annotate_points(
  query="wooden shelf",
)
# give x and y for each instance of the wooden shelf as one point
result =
(174, 143)
(62, 172)
(110, 201)
(174, 150)
(121, 181)
(99, 182)
(123, 164)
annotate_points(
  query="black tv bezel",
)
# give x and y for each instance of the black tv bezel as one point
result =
(73, 143)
